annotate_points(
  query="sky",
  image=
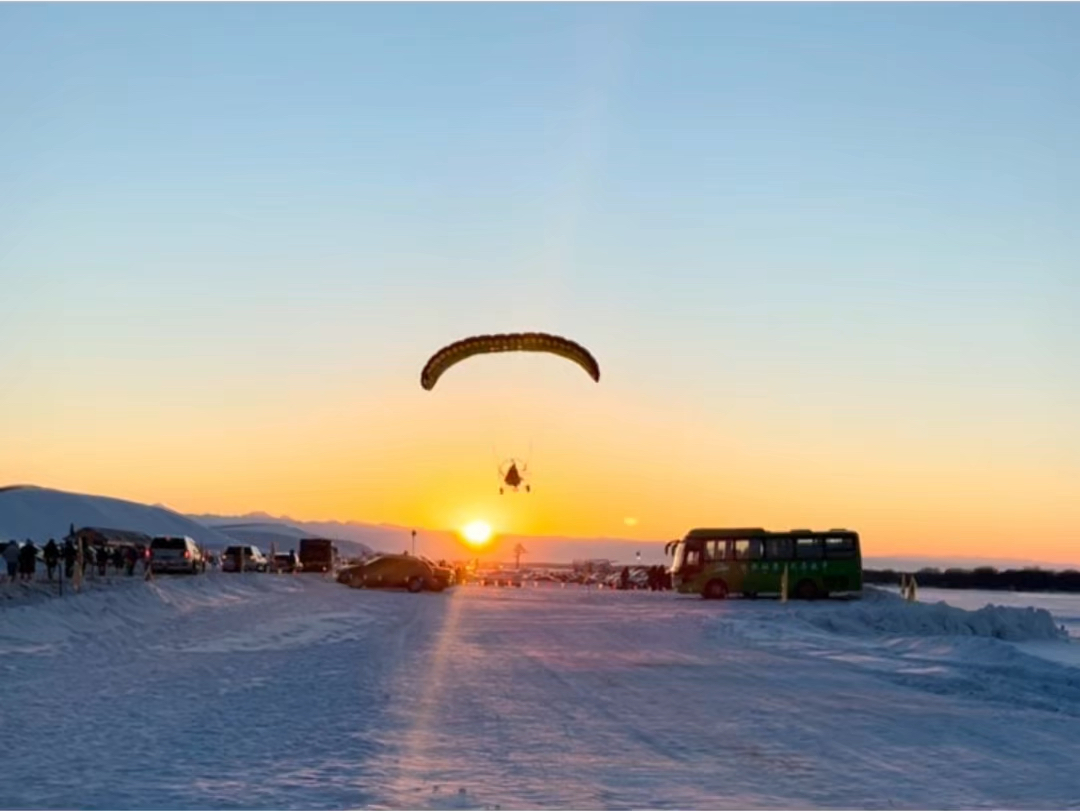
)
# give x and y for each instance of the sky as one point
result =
(825, 254)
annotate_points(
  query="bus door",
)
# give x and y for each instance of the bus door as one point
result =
(779, 552)
(687, 564)
(747, 574)
(717, 560)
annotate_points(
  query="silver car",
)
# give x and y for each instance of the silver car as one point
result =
(253, 559)
(176, 554)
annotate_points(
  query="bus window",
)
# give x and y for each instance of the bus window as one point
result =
(747, 549)
(809, 549)
(716, 550)
(692, 559)
(778, 549)
(839, 547)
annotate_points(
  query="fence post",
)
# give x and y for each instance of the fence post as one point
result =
(80, 557)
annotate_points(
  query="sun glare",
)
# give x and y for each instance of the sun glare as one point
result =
(477, 533)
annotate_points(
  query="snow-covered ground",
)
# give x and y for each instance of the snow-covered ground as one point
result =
(262, 691)
(1065, 609)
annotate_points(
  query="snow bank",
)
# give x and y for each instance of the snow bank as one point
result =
(882, 613)
(935, 648)
(1063, 606)
(113, 610)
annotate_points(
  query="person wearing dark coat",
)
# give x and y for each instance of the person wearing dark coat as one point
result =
(70, 556)
(28, 560)
(52, 556)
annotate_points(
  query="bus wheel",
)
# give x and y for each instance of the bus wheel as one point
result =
(806, 590)
(715, 590)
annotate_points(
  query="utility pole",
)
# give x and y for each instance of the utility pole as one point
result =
(414, 543)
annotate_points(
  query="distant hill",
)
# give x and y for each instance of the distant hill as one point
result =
(39, 513)
(372, 537)
(283, 537)
(448, 544)
(28, 511)
(552, 549)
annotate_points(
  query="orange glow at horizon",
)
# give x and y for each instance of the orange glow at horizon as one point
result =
(601, 463)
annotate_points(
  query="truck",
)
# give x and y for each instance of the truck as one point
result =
(318, 555)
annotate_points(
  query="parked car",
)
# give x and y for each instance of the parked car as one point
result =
(287, 562)
(397, 571)
(176, 554)
(254, 559)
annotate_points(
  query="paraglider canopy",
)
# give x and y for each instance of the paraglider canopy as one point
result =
(507, 342)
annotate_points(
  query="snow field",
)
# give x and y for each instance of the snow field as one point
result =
(262, 691)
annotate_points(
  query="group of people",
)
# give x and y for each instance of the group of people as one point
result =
(22, 559)
(657, 578)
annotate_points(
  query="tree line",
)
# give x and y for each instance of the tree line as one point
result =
(983, 577)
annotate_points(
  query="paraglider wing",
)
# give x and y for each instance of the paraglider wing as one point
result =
(507, 342)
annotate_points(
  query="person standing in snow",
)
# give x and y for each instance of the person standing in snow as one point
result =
(69, 559)
(28, 560)
(11, 557)
(52, 556)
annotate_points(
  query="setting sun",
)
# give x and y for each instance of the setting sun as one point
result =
(477, 533)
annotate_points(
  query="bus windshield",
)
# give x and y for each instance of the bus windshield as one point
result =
(680, 556)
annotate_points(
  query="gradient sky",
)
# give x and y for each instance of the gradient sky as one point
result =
(828, 258)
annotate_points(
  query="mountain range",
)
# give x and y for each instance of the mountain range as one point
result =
(28, 511)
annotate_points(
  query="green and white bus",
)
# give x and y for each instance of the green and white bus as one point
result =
(751, 561)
